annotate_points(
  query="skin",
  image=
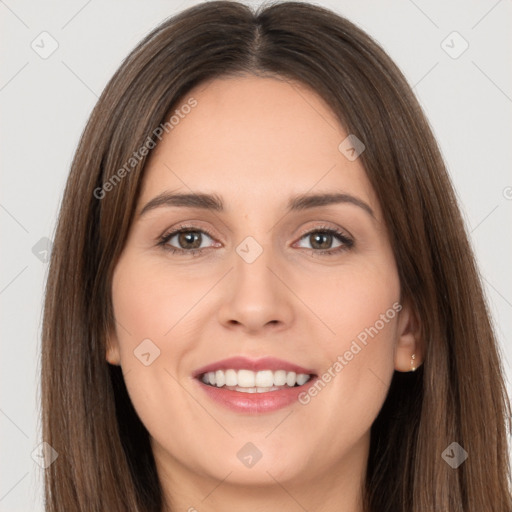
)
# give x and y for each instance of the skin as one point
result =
(256, 142)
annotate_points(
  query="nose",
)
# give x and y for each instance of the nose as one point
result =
(257, 295)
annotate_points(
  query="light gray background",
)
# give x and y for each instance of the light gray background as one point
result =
(45, 104)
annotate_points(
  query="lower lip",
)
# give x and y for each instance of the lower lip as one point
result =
(254, 403)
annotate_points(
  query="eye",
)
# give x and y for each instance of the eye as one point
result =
(185, 240)
(322, 239)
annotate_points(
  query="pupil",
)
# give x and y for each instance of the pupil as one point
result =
(187, 237)
(325, 244)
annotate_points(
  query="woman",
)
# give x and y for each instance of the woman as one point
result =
(261, 293)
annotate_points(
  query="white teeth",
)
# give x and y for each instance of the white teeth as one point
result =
(291, 378)
(264, 379)
(231, 379)
(220, 378)
(255, 390)
(280, 378)
(246, 378)
(302, 378)
(248, 381)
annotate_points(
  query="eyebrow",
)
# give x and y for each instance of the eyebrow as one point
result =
(215, 203)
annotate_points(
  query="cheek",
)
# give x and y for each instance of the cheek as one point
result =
(354, 302)
(360, 310)
(148, 303)
(147, 306)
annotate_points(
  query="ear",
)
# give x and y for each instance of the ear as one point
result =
(409, 350)
(113, 355)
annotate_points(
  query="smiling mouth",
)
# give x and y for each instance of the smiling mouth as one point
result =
(248, 381)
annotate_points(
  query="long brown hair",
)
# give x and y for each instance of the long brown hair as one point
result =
(458, 395)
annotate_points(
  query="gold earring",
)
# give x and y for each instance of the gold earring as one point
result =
(413, 367)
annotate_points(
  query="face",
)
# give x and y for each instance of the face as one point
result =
(248, 267)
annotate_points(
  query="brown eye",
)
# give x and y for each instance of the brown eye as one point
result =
(186, 240)
(189, 239)
(321, 241)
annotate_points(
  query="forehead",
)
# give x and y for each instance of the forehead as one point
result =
(253, 137)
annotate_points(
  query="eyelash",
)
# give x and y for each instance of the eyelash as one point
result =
(347, 243)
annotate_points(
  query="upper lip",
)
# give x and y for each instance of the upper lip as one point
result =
(244, 363)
